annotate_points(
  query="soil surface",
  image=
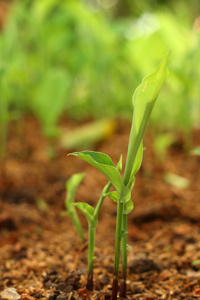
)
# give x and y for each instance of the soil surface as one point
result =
(42, 257)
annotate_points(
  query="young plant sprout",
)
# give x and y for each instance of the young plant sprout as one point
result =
(144, 99)
(71, 187)
(92, 215)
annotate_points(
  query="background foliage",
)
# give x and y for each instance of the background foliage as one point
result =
(83, 59)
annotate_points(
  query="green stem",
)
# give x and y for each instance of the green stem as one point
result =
(124, 258)
(3, 127)
(91, 239)
(101, 199)
(120, 209)
(91, 244)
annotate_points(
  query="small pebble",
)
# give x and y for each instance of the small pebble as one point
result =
(10, 294)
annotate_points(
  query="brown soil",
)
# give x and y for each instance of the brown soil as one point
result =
(41, 255)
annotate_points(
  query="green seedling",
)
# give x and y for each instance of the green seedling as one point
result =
(92, 215)
(144, 99)
(71, 187)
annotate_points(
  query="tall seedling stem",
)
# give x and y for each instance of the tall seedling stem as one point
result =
(144, 99)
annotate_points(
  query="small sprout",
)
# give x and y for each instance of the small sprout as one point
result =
(71, 186)
(89, 212)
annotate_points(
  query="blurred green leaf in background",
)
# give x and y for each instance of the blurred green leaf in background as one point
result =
(83, 59)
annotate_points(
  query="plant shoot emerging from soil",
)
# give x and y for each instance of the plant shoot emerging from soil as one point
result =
(144, 99)
(91, 215)
(71, 186)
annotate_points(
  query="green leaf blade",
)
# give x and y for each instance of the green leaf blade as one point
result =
(146, 94)
(104, 164)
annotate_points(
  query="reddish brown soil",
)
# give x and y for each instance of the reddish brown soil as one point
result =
(41, 255)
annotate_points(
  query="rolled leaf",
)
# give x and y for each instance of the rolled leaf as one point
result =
(143, 102)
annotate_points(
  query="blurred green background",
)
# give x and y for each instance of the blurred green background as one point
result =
(83, 59)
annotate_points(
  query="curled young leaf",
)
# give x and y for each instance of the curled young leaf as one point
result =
(144, 99)
(86, 209)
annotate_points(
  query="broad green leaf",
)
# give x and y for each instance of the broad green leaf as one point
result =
(86, 209)
(71, 185)
(144, 99)
(128, 207)
(104, 164)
